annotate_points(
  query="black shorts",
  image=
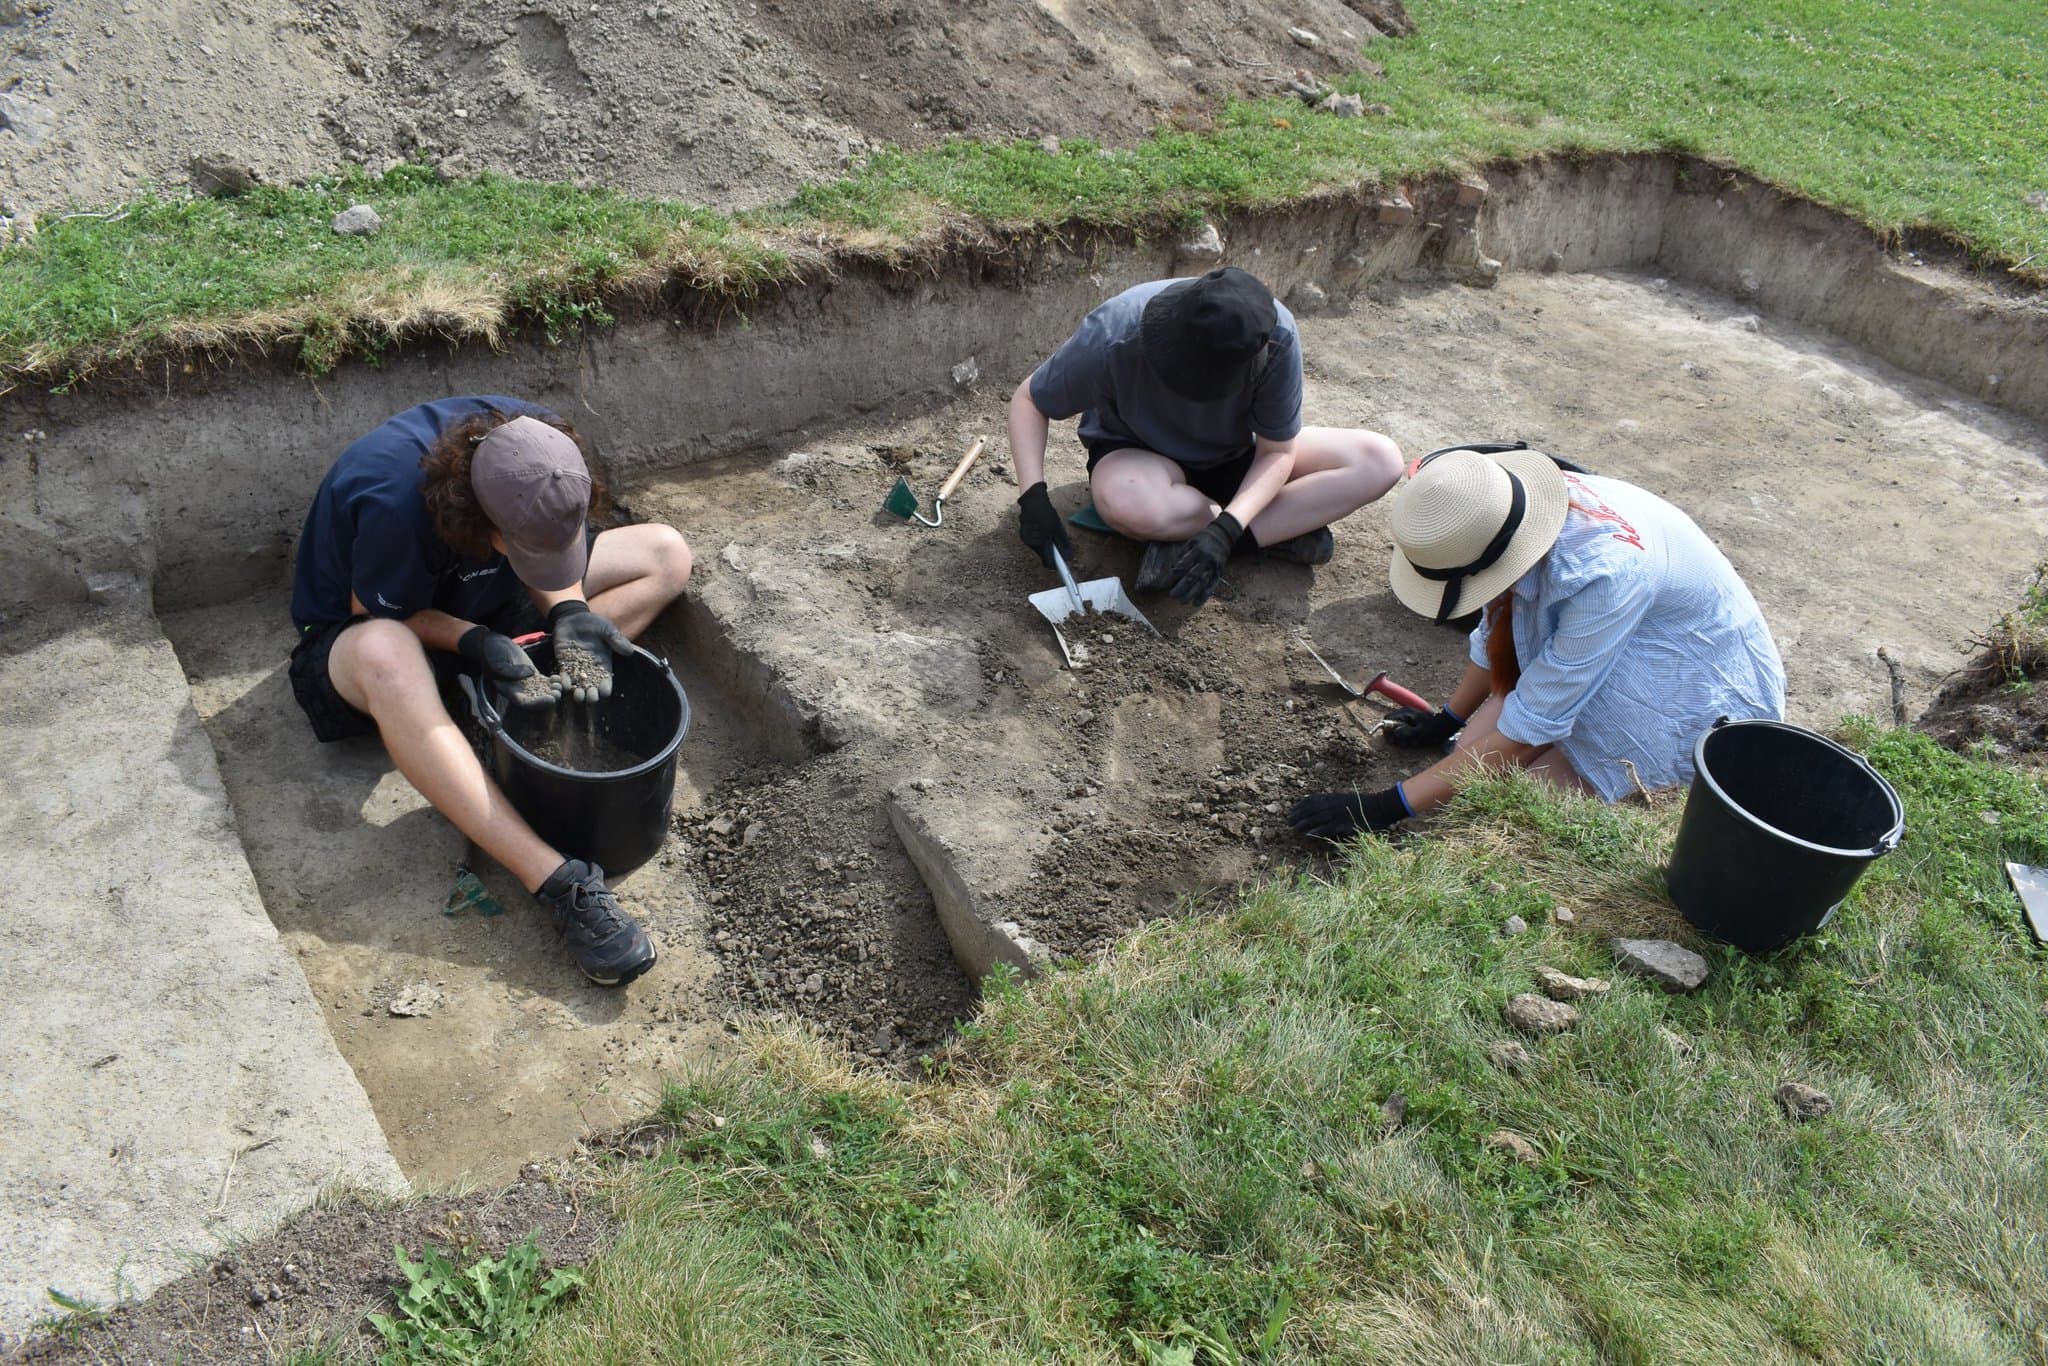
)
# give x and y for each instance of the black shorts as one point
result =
(1218, 482)
(334, 719)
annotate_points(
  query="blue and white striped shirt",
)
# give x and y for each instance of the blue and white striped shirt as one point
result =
(1635, 635)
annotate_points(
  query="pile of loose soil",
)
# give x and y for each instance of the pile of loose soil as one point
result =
(316, 1279)
(1178, 770)
(724, 102)
(1997, 698)
(814, 910)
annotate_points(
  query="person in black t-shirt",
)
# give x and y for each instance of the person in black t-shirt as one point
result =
(433, 541)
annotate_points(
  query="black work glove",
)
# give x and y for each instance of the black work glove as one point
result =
(1200, 564)
(1338, 815)
(583, 643)
(1040, 526)
(1408, 728)
(507, 669)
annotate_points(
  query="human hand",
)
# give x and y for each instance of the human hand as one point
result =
(1408, 728)
(1339, 815)
(1194, 574)
(584, 642)
(1039, 524)
(506, 668)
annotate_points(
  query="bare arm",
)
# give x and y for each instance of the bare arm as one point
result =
(1028, 429)
(1471, 693)
(436, 629)
(1432, 787)
(1272, 465)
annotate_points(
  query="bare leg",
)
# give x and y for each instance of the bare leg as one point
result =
(1147, 497)
(380, 668)
(635, 572)
(1337, 471)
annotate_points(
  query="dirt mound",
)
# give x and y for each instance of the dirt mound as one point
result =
(317, 1277)
(1996, 698)
(716, 101)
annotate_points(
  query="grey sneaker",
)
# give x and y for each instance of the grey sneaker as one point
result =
(1155, 570)
(606, 943)
(1310, 547)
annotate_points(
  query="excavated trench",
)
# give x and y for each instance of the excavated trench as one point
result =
(892, 781)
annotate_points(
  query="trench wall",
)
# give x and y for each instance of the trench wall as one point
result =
(187, 478)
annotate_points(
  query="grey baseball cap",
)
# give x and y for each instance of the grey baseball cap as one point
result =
(531, 482)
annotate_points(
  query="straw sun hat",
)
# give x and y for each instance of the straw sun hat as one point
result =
(1468, 525)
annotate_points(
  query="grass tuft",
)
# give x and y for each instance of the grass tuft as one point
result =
(1178, 1153)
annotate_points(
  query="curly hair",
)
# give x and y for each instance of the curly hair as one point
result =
(459, 519)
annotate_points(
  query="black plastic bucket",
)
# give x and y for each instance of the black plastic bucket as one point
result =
(618, 818)
(1778, 826)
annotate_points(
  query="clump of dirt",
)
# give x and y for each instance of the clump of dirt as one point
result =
(1177, 772)
(724, 102)
(581, 668)
(1997, 698)
(316, 1279)
(815, 911)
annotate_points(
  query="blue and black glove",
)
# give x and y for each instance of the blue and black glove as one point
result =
(1340, 815)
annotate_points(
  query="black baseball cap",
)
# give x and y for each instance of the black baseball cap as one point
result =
(1203, 337)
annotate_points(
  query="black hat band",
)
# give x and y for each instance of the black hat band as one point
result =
(1453, 579)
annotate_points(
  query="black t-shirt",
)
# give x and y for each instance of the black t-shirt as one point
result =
(369, 532)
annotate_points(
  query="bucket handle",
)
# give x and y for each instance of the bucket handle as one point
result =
(1892, 838)
(480, 705)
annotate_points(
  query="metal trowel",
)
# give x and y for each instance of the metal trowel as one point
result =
(2032, 885)
(1081, 599)
(902, 502)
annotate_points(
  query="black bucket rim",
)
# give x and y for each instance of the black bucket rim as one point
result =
(1885, 842)
(487, 716)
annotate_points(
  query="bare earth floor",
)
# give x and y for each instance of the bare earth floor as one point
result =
(1864, 507)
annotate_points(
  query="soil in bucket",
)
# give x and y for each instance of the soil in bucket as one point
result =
(596, 779)
(1778, 826)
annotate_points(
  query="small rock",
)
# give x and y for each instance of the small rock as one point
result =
(1560, 986)
(1394, 1112)
(1482, 273)
(1751, 282)
(1745, 322)
(220, 177)
(1049, 145)
(1396, 212)
(1180, 62)
(2037, 200)
(1204, 244)
(1471, 193)
(1563, 915)
(966, 372)
(418, 1000)
(1553, 262)
(358, 221)
(1510, 1056)
(722, 826)
(1514, 1145)
(1514, 925)
(1308, 297)
(1667, 964)
(1083, 717)
(754, 831)
(1532, 1014)
(25, 119)
(1803, 1102)
(1307, 38)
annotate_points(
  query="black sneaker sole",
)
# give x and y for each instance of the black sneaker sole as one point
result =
(629, 974)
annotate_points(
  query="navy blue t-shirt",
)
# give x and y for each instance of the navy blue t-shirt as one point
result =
(369, 532)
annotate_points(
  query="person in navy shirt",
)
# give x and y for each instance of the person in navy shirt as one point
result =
(1190, 399)
(431, 543)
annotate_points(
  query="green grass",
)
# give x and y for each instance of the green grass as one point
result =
(1178, 1154)
(1905, 114)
